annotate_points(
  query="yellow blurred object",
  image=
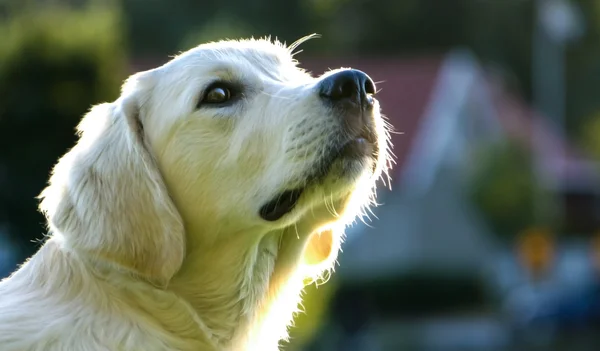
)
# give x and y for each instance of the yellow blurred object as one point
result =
(590, 135)
(595, 251)
(536, 250)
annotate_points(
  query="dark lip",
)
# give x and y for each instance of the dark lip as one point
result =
(280, 205)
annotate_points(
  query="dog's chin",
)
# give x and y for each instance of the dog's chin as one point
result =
(340, 168)
(355, 157)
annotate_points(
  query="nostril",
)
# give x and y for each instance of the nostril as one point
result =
(347, 89)
(340, 86)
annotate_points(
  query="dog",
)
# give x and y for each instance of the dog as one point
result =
(193, 209)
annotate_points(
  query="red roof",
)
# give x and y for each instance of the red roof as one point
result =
(404, 85)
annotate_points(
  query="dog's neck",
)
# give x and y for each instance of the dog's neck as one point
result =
(229, 282)
(221, 284)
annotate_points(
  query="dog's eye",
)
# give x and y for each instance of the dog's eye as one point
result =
(217, 93)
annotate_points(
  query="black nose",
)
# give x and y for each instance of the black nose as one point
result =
(349, 86)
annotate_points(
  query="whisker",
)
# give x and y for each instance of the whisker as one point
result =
(293, 46)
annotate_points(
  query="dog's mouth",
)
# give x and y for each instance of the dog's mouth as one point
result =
(361, 147)
(355, 149)
(358, 148)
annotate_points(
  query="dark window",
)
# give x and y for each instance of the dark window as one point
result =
(581, 215)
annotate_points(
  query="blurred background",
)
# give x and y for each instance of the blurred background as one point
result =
(490, 236)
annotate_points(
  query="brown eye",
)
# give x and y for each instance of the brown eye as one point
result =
(217, 94)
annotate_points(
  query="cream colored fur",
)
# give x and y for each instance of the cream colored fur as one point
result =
(155, 239)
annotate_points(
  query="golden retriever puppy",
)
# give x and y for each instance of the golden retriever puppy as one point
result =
(193, 208)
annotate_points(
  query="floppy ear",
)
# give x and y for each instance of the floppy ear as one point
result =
(106, 197)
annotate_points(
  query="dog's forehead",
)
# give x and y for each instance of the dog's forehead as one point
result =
(254, 52)
(255, 55)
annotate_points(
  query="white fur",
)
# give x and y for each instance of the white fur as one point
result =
(155, 239)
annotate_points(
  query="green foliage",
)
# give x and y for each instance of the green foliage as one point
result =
(590, 136)
(54, 65)
(218, 28)
(583, 69)
(192, 21)
(504, 188)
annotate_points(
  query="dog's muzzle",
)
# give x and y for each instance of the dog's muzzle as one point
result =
(349, 93)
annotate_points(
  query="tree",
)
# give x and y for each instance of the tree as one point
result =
(504, 189)
(53, 66)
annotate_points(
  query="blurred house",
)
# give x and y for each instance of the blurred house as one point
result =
(428, 252)
(440, 113)
(442, 109)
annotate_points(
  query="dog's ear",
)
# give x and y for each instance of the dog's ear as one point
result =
(106, 197)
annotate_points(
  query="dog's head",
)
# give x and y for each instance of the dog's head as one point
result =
(227, 139)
